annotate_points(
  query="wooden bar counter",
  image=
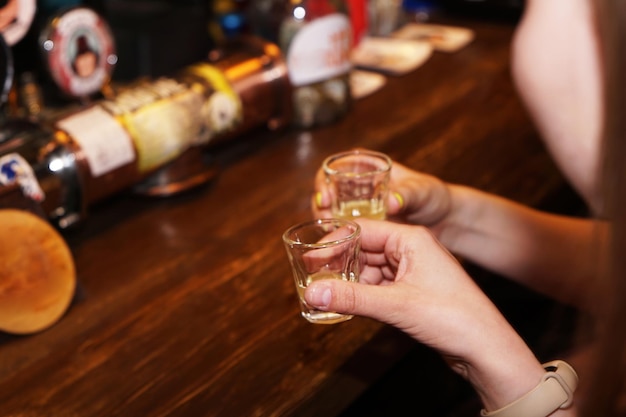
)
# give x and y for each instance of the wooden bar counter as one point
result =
(186, 305)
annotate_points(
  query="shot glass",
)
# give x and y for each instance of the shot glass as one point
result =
(358, 181)
(323, 249)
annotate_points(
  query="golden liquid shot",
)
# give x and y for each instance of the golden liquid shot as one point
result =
(371, 209)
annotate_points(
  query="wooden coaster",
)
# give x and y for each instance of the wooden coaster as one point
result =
(37, 273)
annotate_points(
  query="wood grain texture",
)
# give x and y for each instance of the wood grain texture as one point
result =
(186, 305)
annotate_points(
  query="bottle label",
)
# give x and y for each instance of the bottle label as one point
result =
(222, 110)
(15, 169)
(320, 50)
(154, 122)
(162, 118)
(104, 142)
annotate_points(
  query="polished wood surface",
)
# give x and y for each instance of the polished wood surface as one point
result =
(186, 305)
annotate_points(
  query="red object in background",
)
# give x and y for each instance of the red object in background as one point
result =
(358, 17)
(317, 9)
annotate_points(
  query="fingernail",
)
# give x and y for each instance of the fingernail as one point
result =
(318, 199)
(399, 198)
(318, 295)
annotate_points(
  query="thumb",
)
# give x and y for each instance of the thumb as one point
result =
(395, 202)
(406, 197)
(347, 298)
(425, 200)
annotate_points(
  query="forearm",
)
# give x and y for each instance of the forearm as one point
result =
(504, 371)
(513, 384)
(552, 254)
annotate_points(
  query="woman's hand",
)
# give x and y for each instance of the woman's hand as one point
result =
(410, 281)
(414, 197)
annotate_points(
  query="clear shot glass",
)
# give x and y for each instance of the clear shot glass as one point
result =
(323, 249)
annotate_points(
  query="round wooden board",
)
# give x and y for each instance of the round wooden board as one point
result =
(37, 273)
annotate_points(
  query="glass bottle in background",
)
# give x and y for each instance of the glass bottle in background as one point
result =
(149, 136)
(316, 38)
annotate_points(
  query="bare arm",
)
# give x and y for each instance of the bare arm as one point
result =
(553, 254)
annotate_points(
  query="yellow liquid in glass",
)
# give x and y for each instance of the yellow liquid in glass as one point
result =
(371, 209)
